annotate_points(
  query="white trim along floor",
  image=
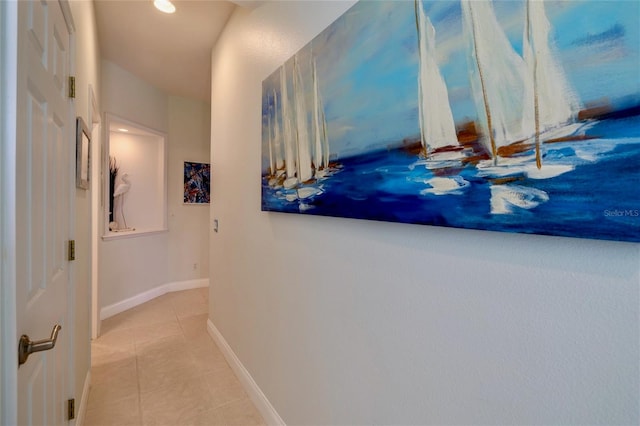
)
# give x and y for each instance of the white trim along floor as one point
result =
(156, 364)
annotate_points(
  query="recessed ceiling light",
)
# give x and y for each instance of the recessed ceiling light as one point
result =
(164, 6)
(123, 130)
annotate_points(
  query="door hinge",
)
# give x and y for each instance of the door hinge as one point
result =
(72, 250)
(71, 409)
(72, 87)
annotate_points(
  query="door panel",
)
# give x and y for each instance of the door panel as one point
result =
(45, 147)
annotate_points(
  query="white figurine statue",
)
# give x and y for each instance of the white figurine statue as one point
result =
(119, 194)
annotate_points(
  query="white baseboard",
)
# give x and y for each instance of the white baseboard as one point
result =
(187, 285)
(269, 414)
(132, 302)
(82, 409)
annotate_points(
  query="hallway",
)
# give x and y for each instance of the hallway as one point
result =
(155, 364)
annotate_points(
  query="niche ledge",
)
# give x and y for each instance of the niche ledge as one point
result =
(132, 234)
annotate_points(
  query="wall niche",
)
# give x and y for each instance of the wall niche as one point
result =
(135, 179)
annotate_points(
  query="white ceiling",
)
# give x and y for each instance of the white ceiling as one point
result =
(172, 52)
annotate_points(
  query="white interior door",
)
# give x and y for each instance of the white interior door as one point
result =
(43, 163)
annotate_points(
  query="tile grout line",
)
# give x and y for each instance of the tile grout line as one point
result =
(140, 419)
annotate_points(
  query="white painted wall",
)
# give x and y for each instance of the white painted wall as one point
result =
(87, 72)
(128, 267)
(132, 98)
(189, 136)
(133, 266)
(359, 322)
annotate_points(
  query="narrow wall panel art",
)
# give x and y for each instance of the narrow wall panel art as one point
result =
(513, 116)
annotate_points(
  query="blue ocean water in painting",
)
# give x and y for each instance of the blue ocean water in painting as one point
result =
(599, 199)
(360, 122)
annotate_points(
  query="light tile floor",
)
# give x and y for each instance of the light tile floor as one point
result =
(156, 365)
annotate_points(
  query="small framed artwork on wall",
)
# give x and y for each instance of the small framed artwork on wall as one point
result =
(197, 178)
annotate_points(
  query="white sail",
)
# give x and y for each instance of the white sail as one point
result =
(501, 89)
(272, 168)
(321, 143)
(277, 137)
(305, 171)
(437, 128)
(556, 102)
(288, 137)
(326, 150)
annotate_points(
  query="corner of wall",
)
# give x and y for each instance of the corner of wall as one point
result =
(140, 298)
(268, 412)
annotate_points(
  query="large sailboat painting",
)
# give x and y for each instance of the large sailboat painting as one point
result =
(513, 116)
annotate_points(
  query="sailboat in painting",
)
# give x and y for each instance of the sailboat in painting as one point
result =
(304, 168)
(437, 129)
(287, 127)
(555, 105)
(521, 99)
(440, 145)
(499, 80)
(321, 141)
(276, 162)
(272, 163)
(277, 137)
(537, 103)
(306, 145)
